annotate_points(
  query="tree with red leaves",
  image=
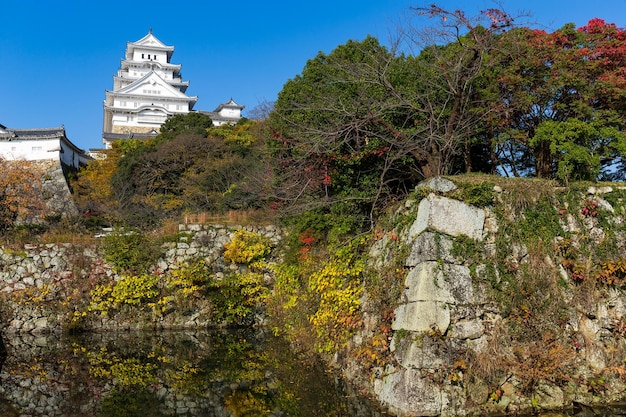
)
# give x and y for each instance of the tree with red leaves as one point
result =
(561, 101)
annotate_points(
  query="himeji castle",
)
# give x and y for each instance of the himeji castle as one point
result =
(147, 90)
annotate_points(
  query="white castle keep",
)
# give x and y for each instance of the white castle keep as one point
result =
(147, 90)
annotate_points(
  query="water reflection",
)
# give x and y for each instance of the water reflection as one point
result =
(237, 373)
(583, 411)
(212, 374)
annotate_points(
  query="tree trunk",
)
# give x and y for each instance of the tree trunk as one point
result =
(543, 160)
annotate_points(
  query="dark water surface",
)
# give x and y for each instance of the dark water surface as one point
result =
(234, 373)
(218, 373)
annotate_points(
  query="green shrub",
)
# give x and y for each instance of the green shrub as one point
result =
(235, 297)
(130, 251)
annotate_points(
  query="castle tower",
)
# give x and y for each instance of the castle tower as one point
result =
(146, 91)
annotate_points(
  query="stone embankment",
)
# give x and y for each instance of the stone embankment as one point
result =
(40, 283)
(487, 320)
(456, 347)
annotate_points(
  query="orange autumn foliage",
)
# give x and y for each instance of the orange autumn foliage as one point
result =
(20, 192)
(92, 190)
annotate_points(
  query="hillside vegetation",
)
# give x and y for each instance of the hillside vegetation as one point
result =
(365, 123)
(485, 101)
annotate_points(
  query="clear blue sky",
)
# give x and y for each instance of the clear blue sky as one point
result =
(58, 57)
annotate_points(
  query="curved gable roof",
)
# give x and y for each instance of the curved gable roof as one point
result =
(229, 104)
(154, 79)
(149, 42)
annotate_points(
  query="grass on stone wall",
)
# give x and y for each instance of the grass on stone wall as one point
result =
(232, 217)
(542, 272)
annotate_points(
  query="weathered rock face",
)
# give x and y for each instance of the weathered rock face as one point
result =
(439, 298)
(447, 314)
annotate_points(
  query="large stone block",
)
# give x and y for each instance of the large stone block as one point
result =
(430, 246)
(448, 216)
(422, 352)
(468, 329)
(408, 391)
(445, 283)
(439, 184)
(422, 316)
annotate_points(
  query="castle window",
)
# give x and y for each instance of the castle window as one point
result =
(142, 57)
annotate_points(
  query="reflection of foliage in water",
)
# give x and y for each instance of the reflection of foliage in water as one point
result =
(247, 373)
(130, 402)
(237, 374)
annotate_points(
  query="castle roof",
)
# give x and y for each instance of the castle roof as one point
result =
(32, 133)
(230, 104)
(149, 42)
(152, 78)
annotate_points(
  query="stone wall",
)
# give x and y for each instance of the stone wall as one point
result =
(55, 189)
(440, 298)
(56, 199)
(447, 317)
(39, 283)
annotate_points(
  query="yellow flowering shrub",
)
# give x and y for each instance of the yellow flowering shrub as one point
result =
(338, 286)
(247, 248)
(132, 290)
(235, 297)
(247, 404)
(100, 299)
(31, 295)
(189, 278)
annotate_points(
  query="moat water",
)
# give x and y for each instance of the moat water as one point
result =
(211, 373)
(218, 373)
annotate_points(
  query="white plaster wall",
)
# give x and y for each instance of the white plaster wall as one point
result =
(30, 150)
(230, 112)
(142, 55)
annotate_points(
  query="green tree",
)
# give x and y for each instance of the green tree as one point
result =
(557, 94)
(577, 147)
(215, 171)
(364, 123)
(193, 122)
(334, 136)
